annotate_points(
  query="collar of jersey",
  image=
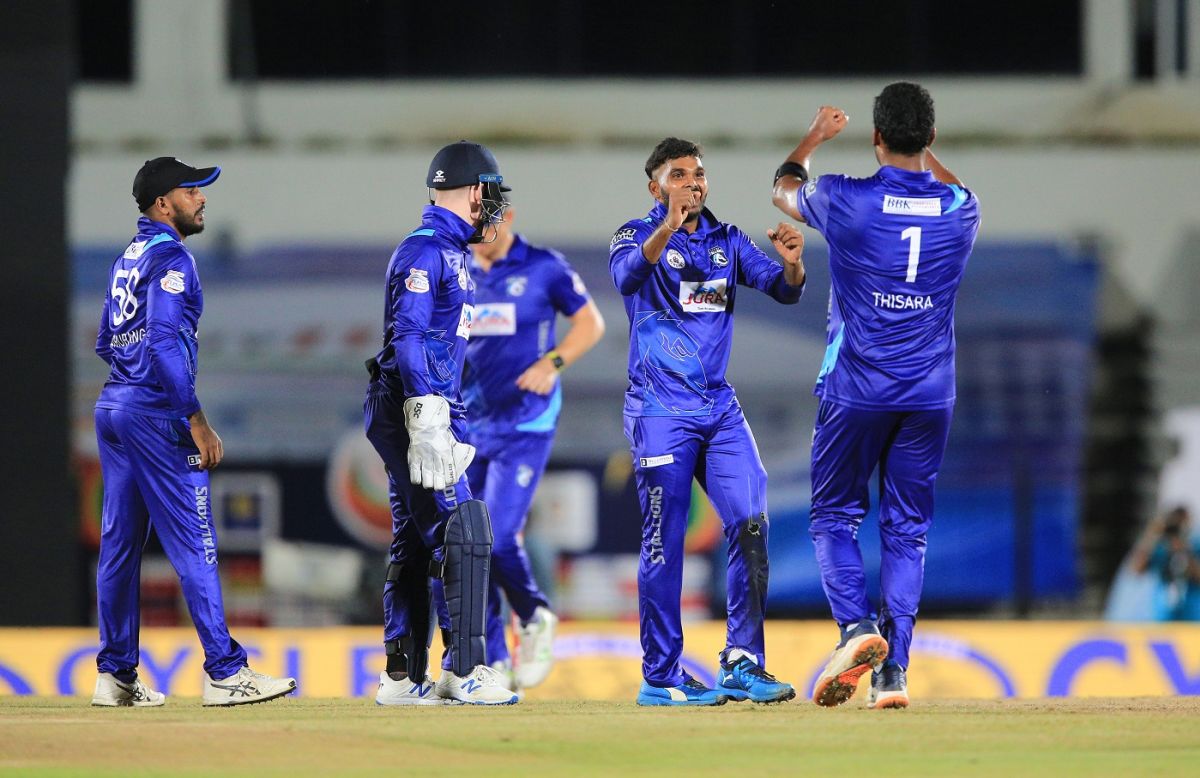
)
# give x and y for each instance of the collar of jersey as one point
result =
(147, 226)
(708, 222)
(897, 174)
(517, 253)
(447, 224)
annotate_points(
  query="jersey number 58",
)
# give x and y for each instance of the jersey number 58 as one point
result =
(125, 305)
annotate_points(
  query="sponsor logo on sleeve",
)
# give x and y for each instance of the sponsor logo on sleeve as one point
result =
(578, 285)
(716, 255)
(494, 319)
(624, 235)
(912, 206)
(417, 281)
(704, 296)
(465, 320)
(464, 280)
(811, 187)
(659, 461)
(524, 476)
(172, 282)
(675, 259)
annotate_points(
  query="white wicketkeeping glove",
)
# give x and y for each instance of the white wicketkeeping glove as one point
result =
(435, 459)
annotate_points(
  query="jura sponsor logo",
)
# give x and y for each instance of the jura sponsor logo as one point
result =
(704, 296)
(494, 319)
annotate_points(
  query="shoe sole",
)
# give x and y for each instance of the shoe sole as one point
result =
(659, 702)
(838, 687)
(513, 701)
(256, 701)
(895, 702)
(127, 704)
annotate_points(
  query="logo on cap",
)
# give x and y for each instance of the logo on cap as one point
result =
(439, 177)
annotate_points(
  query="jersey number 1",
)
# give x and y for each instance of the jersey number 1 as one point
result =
(914, 251)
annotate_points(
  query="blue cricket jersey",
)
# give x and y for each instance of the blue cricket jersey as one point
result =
(147, 331)
(516, 302)
(898, 245)
(428, 309)
(681, 311)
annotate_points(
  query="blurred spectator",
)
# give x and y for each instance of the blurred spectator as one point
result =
(1171, 555)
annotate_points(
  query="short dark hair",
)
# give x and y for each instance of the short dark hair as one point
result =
(668, 149)
(904, 117)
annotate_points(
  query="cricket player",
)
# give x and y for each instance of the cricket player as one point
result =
(414, 417)
(156, 446)
(513, 397)
(678, 269)
(898, 245)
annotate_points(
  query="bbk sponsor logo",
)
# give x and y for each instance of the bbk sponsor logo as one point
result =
(207, 541)
(623, 235)
(912, 206)
(704, 296)
(657, 555)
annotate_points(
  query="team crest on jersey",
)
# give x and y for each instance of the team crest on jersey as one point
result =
(417, 281)
(716, 255)
(704, 296)
(463, 278)
(514, 286)
(675, 259)
(172, 282)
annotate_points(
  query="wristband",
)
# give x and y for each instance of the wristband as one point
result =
(556, 360)
(791, 169)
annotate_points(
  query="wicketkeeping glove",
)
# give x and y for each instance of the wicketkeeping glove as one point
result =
(435, 459)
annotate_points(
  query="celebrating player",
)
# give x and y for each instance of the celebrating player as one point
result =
(415, 419)
(156, 447)
(513, 398)
(678, 269)
(898, 245)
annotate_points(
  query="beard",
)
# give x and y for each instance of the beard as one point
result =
(190, 225)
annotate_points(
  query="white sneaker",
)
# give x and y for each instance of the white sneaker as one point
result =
(535, 648)
(246, 687)
(508, 677)
(112, 693)
(483, 686)
(407, 692)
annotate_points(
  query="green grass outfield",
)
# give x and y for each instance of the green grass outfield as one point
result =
(1121, 737)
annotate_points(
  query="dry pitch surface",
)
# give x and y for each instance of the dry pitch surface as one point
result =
(1093, 737)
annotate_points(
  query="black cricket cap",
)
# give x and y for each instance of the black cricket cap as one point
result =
(162, 174)
(461, 164)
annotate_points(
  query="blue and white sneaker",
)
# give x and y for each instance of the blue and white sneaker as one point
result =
(407, 692)
(741, 678)
(861, 648)
(484, 685)
(889, 688)
(690, 692)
